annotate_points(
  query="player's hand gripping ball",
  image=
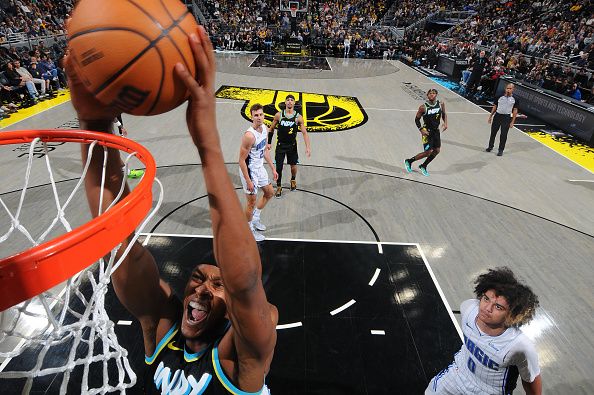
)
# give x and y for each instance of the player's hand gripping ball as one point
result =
(124, 52)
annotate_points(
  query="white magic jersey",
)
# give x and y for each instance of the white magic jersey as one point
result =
(491, 364)
(255, 158)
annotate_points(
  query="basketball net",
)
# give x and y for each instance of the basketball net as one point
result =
(74, 318)
(293, 11)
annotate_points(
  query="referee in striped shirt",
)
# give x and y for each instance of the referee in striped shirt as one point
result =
(503, 115)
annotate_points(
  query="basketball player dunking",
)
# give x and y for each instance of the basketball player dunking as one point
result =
(220, 337)
(289, 122)
(433, 112)
(495, 351)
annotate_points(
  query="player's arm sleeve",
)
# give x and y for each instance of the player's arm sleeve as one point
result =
(526, 359)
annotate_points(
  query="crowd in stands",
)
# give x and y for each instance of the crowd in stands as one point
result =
(549, 44)
(525, 38)
(407, 12)
(30, 75)
(33, 18)
(330, 28)
(545, 42)
(31, 72)
(347, 29)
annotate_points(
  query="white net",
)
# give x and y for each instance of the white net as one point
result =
(64, 333)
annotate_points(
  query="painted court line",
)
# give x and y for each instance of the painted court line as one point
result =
(280, 239)
(371, 282)
(375, 276)
(234, 102)
(440, 291)
(291, 325)
(252, 62)
(26, 113)
(343, 307)
(415, 110)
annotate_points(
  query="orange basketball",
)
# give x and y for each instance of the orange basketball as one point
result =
(125, 52)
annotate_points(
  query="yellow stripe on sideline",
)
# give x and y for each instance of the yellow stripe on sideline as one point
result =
(579, 153)
(38, 108)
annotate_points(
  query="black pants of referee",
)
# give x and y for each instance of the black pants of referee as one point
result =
(500, 121)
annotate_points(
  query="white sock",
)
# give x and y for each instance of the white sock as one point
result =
(256, 215)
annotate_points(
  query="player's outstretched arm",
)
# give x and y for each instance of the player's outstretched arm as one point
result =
(301, 123)
(136, 282)
(418, 116)
(533, 388)
(252, 317)
(247, 141)
(444, 116)
(271, 129)
(269, 161)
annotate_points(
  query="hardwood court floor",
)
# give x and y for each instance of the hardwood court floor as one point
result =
(475, 210)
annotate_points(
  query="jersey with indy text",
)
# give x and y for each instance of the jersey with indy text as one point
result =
(255, 158)
(173, 370)
(491, 364)
(432, 116)
(288, 128)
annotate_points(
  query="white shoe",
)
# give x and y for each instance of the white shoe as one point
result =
(258, 225)
(257, 235)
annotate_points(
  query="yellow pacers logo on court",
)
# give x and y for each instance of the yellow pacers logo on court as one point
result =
(322, 113)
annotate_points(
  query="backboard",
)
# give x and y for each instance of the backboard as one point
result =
(287, 5)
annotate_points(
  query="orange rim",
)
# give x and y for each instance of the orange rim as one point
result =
(31, 272)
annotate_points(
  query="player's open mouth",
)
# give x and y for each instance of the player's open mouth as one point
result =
(196, 312)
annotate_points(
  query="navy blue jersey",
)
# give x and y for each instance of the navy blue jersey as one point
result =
(173, 370)
(287, 129)
(432, 116)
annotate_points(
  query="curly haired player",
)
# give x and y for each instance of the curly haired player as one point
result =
(495, 351)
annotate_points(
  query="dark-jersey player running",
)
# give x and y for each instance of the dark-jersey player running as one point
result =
(433, 112)
(289, 122)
